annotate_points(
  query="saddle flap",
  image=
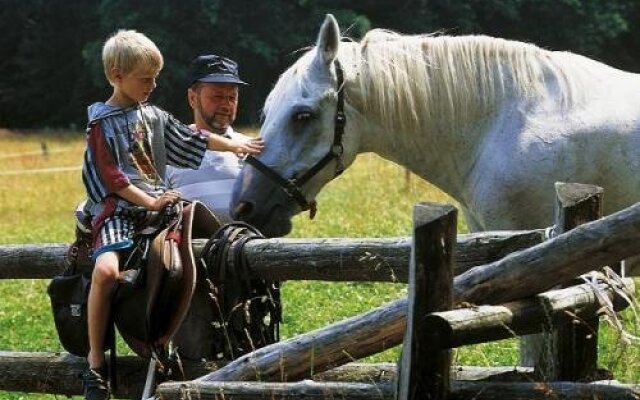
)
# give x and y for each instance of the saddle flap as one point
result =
(198, 222)
(170, 280)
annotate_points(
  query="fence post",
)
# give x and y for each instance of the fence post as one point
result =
(424, 368)
(571, 352)
(577, 356)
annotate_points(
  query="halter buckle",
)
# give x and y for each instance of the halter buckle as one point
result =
(337, 150)
(340, 118)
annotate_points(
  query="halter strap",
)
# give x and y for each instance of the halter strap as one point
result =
(292, 186)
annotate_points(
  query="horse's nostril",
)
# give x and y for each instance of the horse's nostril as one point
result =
(243, 209)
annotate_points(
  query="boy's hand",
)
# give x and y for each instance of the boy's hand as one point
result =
(239, 146)
(243, 147)
(169, 197)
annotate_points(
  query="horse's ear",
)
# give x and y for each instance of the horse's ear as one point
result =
(328, 39)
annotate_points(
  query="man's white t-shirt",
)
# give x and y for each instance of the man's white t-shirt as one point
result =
(213, 182)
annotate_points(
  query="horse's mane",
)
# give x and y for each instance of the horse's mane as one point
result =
(411, 81)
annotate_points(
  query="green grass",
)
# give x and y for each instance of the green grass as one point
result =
(373, 198)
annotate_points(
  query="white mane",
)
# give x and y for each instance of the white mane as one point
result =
(411, 81)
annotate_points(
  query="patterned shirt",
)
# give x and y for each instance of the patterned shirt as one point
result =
(133, 146)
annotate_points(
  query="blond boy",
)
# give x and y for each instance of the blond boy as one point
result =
(129, 144)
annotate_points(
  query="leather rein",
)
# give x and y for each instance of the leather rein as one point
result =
(293, 186)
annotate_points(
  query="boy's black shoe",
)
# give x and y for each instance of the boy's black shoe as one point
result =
(96, 386)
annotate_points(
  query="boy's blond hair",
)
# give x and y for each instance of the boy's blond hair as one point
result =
(127, 50)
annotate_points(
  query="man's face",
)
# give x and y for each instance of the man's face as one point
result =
(214, 105)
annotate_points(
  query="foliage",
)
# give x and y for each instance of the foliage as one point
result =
(51, 67)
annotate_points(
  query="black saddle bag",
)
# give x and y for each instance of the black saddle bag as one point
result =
(69, 293)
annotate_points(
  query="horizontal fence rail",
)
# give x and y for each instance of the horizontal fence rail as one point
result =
(539, 313)
(57, 373)
(335, 259)
(460, 390)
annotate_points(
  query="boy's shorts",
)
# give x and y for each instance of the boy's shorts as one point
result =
(117, 231)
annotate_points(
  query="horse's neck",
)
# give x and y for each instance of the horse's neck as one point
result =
(438, 141)
(443, 159)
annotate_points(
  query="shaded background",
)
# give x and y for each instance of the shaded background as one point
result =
(50, 66)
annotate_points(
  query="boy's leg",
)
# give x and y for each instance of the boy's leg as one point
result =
(105, 274)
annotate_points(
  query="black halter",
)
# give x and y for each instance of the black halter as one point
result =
(292, 186)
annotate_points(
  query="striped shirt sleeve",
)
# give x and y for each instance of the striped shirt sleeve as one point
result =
(101, 173)
(185, 147)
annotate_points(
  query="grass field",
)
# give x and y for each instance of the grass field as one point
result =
(374, 198)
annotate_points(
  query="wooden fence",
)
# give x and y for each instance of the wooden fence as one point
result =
(509, 282)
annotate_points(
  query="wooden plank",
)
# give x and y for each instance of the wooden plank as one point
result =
(58, 373)
(424, 368)
(556, 308)
(306, 389)
(331, 390)
(543, 391)
(560, 259)
(334, 259)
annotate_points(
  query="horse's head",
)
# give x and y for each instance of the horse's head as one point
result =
(304, 121)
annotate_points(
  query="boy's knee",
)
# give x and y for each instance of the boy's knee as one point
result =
(106, 269)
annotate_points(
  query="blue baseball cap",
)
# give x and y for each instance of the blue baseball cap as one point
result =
(214, 69)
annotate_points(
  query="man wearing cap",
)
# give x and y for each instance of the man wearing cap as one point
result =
(213, 96)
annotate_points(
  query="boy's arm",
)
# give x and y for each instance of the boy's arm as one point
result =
(136, 196)
(101, 172)
(185, 146)
(238, 146)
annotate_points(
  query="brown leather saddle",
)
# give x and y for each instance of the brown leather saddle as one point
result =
(151, 301)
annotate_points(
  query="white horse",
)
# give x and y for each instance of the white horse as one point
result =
(492, 122)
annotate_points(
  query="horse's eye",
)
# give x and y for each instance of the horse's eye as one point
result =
(302, 116)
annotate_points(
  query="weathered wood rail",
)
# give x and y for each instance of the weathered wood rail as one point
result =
(57, 373)
(335, 259)
(460, 390)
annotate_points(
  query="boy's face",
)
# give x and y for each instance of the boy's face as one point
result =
(214, 105)
(135, 86)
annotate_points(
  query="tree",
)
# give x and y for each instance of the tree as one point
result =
(52, 66)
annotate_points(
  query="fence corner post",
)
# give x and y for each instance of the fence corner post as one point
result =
(570, 353)
(424, 369)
